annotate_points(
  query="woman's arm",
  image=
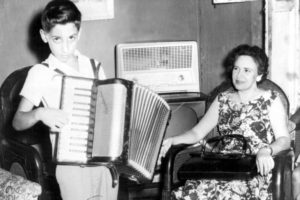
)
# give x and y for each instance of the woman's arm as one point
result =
(198, 132)
(202, 128)
(279, 123)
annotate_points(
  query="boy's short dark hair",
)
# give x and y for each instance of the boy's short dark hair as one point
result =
(60, 12)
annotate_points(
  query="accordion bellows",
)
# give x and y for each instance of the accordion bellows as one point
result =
(113, 120)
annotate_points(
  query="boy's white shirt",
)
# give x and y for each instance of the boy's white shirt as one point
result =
(43, 84)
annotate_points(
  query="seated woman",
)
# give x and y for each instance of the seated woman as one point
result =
(259, 115)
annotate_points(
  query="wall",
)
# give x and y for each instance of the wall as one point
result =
(135, 20)
(216, 28)
(15, 20)
(222, 27)
(283, 48)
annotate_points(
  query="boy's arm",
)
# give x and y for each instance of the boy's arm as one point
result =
(26, 116)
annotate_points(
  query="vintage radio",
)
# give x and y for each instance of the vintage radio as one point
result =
(165, 67)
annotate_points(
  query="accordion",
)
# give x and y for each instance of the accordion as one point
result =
(111, 121)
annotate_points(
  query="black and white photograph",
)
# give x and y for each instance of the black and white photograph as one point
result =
(150, 100)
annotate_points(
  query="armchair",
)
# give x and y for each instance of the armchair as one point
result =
(26, 153)
(179, 154)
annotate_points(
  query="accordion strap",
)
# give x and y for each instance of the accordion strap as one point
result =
(95, 68)
(56, 70)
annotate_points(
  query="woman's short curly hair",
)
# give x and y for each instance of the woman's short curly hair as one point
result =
(60, 12)
(259, 56)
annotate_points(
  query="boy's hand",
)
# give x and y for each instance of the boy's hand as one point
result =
(54, 118)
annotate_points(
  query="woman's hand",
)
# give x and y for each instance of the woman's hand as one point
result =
(264, 161)
(54, 118)
(167, 143)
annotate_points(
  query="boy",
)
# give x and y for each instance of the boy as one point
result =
(61, 31)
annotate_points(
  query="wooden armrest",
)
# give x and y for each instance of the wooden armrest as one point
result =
(168, 167)
(29, 155)
(282, 173)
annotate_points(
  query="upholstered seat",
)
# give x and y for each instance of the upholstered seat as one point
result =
(17, 188)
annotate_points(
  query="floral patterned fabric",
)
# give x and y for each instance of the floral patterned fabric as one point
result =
(252, 121)
(13, 187)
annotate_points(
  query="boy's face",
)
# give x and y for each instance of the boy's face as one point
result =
(62, 40)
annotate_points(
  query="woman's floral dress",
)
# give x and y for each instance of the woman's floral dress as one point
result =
(252, 121)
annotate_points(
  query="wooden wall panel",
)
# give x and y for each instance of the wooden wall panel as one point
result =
(217, 29)
(222, 27)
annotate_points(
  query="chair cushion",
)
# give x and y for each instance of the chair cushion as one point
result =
(17, 187)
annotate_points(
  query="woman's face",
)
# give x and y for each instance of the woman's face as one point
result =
(245, 73)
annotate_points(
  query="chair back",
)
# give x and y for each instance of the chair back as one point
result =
(267, 84)
(9, 102)
(270, 85)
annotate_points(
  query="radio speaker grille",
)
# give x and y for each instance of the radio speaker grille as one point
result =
(165, 67)
(145, 58)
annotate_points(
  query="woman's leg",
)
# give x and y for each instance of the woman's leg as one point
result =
(296, 183)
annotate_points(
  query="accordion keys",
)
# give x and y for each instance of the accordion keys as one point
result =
(113, 120)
